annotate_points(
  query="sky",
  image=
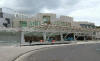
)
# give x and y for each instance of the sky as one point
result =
(80, 10)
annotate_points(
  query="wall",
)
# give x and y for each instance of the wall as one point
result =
(40, 16)
(77, 24)
(98, 35)
(8, 36)
(66, 18)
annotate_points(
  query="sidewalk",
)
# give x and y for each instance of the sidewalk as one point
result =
(9, 53)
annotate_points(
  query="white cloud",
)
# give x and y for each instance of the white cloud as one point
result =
(81, 10)
(8, 4)
(2, 2)
(87, 11)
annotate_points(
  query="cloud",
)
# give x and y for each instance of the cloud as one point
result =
(31, 6)
(65, 7)
(81, 10)
(87, 11)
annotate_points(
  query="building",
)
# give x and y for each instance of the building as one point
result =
(45, 27)
(98, 33)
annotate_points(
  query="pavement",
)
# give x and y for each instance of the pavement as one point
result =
(12, 53)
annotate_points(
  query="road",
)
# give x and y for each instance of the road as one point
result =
(60, 52)
(10, 53)
(78, 52)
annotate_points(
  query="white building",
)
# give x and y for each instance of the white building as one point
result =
(46, 27)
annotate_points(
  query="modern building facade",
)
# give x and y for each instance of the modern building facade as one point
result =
(44, 26)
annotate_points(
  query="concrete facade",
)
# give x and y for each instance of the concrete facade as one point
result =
(98, 35)
(10, 36)
(43, 26)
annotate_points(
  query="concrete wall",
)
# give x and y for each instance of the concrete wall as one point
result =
(98, 35)
(16, 24)
(40, 16)
(66, 18)
(8, 36)
(7, 16)
(77, 24)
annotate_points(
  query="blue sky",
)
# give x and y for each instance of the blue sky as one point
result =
(81, 10)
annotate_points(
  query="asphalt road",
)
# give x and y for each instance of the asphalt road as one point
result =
(80, 52)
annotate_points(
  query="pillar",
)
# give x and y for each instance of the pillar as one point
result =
(92, 37)
(44, 36)
(61, 35)
(22, 38)
(74, 37)
(84, 38)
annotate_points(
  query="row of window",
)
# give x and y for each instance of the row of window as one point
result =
(37, 23)
(87, 26)
(61, 23)
(31, 23)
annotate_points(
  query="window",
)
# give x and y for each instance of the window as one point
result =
(46, 19)
(31, 23)
(83, 25)
(35, 23)
(1, 15)
(23, 23)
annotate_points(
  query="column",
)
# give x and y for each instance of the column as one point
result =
(61, 35)
(22, 38)
(84, 38)
(92, 37)
(44, 36)
(74, 37)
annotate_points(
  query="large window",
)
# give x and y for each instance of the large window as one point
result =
(87, 26)
(34, 23)
(1, 15)
(23, 23)
(46, 19)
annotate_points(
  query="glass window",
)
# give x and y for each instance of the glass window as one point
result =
(46, 19)
(36, 23)
(31, 23)
(23, 23)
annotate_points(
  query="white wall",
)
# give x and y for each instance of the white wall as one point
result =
(6, 36)
(98, 35)
(40, 16)
(66, 18)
